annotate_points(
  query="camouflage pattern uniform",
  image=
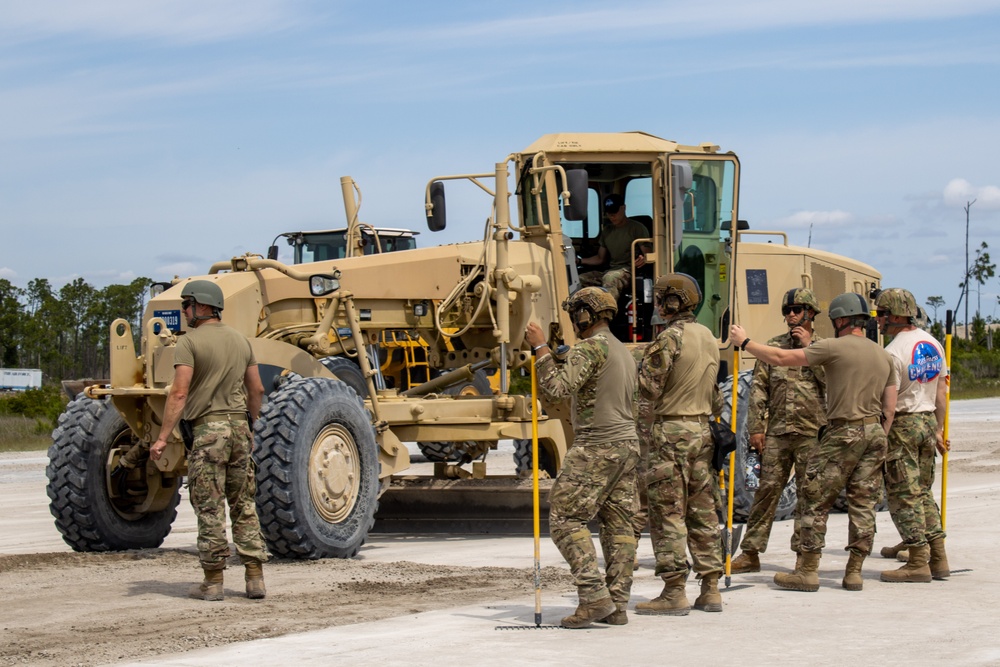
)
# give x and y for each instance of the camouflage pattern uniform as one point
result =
(597, 477)
(678, 375)
(909, 478)
(788, 404)
(849, 455)
(644, 430)
(221, 470)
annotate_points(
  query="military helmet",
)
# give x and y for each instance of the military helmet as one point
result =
(596, 299)
(800, 296)
(204, 292)
(921, 320)
(849, 305)
(680, 285)
(897, 301)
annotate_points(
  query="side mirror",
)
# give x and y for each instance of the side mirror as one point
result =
(272, 252)
(577, 185)
(436, 216)
(323, 284)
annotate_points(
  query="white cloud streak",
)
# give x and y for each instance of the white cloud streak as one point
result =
(183, 21)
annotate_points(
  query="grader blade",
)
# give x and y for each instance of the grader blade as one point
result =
(497, 505)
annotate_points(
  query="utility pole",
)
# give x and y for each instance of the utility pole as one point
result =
(968, 205)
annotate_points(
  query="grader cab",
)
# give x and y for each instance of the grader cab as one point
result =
(330, 442)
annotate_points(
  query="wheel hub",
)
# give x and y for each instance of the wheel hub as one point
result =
(334, 473)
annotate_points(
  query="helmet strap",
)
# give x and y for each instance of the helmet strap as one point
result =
(843, 327)
(196, 319)
(582, 319)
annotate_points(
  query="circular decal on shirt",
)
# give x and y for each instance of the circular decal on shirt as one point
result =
(926, 364)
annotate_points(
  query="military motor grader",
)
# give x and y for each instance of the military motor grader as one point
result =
(327, 453)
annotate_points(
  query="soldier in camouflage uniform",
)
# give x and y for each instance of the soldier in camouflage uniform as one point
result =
(916, 436)
(216, 387)
(597, 477)
(615, 246)
(677, 375)
(787, 409)
(861, 393)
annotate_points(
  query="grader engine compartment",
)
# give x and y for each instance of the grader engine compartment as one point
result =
(366, 343)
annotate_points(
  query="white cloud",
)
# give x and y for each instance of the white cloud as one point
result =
(666, 20)
(8, 274)
(960, 192)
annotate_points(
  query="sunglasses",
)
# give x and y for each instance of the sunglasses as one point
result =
(797, 310)
(883, 312)
(187, 303)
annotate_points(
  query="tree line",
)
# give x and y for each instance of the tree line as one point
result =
(65, 332)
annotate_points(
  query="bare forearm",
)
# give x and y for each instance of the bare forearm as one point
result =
(941, 402)
(889, 395)
(776, 356)
(172, 412)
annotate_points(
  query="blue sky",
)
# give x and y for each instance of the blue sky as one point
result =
(154, 138)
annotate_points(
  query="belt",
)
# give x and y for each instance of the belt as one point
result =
(908, 414)
(219, 417)
(682, 418)
(867, 421)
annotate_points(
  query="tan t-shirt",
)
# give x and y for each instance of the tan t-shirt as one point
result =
(857, 372)
(679, 370)
(599, 375)
(220, 356)
(618, 241)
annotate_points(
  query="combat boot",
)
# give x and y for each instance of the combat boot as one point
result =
(916, 570)
(617, 617)
(747, 561)
(852, 573)
(671, 602)
(939, 560)
(890, 552)
(588, 612)
(806, 574)
(210, 589)
(710, 599)
(255, 581)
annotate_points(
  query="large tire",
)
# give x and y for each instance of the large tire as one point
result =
(87, 515)
(317, 481)
(465, 451)
(522, 459)
(347, 372)
(742, 494)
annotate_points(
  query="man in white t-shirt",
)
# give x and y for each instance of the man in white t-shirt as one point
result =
(917, 434)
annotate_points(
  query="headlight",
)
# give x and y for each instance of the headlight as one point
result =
(321, 285)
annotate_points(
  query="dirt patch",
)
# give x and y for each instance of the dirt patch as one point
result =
(49, 615)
